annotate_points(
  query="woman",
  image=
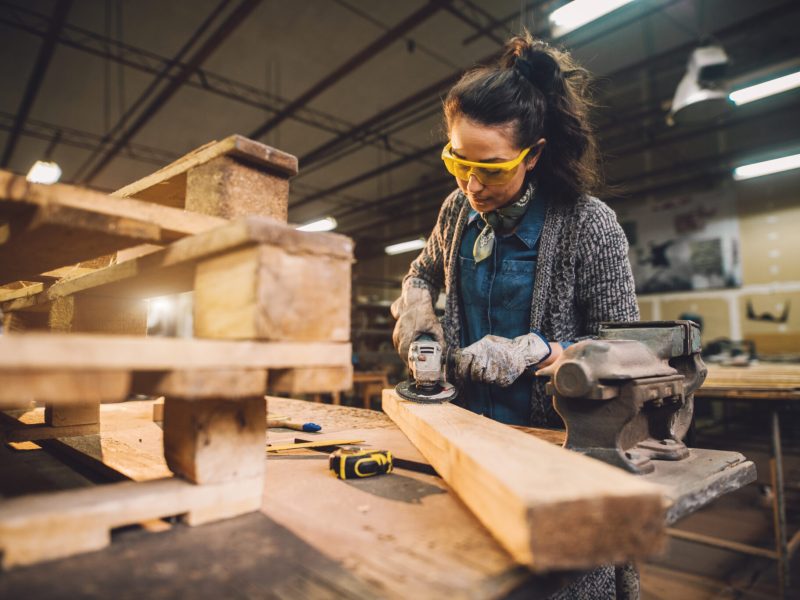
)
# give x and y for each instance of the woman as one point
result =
(529, 260)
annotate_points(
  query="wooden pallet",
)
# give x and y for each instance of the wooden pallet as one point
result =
(272, 303)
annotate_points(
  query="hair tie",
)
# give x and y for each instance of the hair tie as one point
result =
(541, 70)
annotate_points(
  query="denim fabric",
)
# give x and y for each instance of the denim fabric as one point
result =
(496, 296)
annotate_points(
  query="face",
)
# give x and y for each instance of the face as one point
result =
(490, 144)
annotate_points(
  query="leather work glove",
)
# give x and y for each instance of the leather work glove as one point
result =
(498, 360)
(415, 317)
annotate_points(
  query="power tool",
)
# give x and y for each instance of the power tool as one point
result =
(426, 366)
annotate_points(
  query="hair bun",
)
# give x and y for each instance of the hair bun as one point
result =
(540, 69)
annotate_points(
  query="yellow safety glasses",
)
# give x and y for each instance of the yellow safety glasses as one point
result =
(486, 173)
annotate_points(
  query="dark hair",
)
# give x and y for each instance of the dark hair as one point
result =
(542, 93)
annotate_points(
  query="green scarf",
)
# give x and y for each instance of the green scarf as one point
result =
(502, 220)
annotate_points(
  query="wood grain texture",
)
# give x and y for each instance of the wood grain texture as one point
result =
(38, 351)
(212, 441)
(168, 185)
(51, 226)
(310, 380)
(172, 269)
(549, 507)
(269, 293)
(226, 187)
(40, 527)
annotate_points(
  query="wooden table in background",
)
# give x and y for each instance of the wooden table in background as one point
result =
(771, 386)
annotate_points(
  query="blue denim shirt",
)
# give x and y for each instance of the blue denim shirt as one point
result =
(496, 295)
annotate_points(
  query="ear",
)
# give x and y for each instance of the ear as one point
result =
(534, 155)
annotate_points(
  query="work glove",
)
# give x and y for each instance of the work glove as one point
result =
(498, 360)
(415, 317)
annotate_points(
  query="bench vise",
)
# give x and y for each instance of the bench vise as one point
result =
(627, 398)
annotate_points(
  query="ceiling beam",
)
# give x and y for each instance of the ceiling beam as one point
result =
(225, 29)
(398, 31)
(676, 53)
(37, 75)
(151, 88)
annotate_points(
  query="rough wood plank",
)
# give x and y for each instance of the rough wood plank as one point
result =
(549, 507)
(168, 185)
(62, 385)
(51, 226)
(172, 269)
(37, 351)
(40, 527)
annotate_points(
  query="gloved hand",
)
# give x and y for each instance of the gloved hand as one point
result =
(499, 360)
(415, 316)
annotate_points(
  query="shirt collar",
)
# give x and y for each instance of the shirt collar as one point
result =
(529, 228)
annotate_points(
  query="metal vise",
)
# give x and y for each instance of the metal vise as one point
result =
(627, 398)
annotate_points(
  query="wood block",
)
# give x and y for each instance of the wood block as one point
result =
(551, 508)
(65, 414)
(168, 186)
(212, 441)
(311, 380)
(226, 187)
(41, 527)
(270, 293)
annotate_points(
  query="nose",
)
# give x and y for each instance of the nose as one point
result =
(473, 185)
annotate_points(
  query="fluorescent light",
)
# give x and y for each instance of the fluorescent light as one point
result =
(408, 246)
(326, 224)
(767, 167)
(580, 12)
(44, 172)
(768, 88)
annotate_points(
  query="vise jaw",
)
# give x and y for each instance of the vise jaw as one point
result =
(627, 397)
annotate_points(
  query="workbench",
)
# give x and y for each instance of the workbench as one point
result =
(772, 386)
(396, 536)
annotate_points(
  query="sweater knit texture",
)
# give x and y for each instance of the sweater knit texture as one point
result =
(583, 277)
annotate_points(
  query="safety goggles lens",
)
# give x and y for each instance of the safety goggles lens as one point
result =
(486, 173)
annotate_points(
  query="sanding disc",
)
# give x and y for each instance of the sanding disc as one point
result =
(443, 392)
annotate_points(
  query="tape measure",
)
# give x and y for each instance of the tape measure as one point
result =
(358, 462)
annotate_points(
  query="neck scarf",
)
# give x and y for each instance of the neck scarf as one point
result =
(502, 220)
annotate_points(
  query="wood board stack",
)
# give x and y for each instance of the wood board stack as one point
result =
(272, 303)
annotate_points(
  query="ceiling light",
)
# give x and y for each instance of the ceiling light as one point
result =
(580, 12)
(44, 172)
(767, 88)
(701, 94)
(326, 224)
(408, 246)
(767, 167)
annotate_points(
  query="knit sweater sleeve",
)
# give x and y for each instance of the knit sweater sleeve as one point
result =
(428, 269)
(605, 288)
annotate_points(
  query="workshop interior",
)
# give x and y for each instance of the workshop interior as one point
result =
(422, 299)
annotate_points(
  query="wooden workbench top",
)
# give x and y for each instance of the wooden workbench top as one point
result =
(403, 535)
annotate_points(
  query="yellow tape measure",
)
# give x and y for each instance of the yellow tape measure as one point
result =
(358, 462)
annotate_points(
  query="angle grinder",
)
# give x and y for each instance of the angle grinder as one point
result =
(425, 364)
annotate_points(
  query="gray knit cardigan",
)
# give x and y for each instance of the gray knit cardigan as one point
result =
(583, 276)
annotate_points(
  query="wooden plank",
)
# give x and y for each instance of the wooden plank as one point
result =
(38, 351)
(168, 185)
(50, 226)
(62, 385)
(549, 507)
(40, 527)
(172, 269)
(207, 384)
